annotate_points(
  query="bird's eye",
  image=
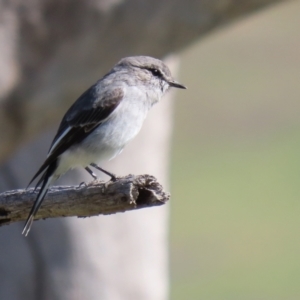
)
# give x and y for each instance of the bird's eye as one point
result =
(156, 72)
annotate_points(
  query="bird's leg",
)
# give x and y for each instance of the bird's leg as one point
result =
(91, 173)
(113, 176)
(82, 184)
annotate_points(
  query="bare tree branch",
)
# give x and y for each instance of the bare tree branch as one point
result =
(126, 193)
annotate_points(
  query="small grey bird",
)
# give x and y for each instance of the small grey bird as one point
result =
(103, 120)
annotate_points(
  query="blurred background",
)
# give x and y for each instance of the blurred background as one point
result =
(235, 225)
(231, 229)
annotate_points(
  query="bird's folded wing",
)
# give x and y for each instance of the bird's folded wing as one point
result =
(88, 112)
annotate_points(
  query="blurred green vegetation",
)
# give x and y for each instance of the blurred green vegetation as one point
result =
(235, 211)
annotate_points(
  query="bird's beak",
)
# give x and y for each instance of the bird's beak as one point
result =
(177, 85)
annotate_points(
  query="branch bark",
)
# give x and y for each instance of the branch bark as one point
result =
(96, 198)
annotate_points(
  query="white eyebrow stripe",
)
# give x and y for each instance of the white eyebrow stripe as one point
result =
(58, 140)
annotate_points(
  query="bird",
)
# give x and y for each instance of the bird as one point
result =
(103, 120)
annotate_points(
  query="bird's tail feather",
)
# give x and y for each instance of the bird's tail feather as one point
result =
(46, 179)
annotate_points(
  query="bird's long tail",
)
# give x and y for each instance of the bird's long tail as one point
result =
(46, 179)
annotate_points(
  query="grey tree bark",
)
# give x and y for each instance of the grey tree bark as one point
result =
(51, 51)
(86, 200)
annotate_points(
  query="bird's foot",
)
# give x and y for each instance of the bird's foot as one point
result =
(113, 177)
(82, 184)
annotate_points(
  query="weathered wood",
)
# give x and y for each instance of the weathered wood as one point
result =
(86, 200)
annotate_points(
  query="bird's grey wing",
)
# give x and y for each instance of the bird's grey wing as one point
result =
(87, 113)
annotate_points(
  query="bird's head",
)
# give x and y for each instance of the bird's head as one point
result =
(149, 71)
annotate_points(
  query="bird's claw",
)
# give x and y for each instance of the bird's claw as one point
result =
(82, 184)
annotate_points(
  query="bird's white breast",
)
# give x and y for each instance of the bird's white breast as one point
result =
(109, 138)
